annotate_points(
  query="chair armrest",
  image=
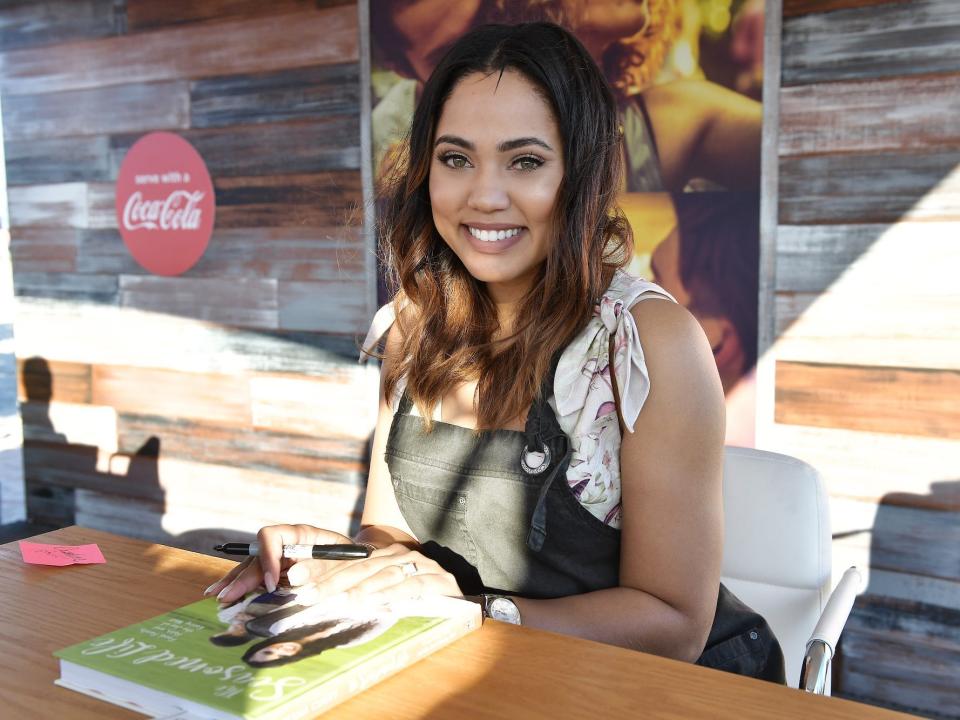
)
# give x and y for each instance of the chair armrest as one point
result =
(815, 670)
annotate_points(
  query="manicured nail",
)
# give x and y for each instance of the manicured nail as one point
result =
(269, 582)
(224, 592)
(210, 589)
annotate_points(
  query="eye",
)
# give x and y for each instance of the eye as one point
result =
(525, 163)
(454, 160)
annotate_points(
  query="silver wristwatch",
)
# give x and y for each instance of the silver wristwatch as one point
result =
(502, 608)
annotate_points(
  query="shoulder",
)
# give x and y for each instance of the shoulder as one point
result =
(683, 373)
(627, 289)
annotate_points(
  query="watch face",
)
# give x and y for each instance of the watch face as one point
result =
(504, 610)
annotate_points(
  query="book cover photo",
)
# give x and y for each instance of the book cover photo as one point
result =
(271, 655)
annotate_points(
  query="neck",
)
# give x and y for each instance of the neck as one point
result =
(506, 299)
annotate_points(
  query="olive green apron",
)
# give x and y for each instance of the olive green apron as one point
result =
(495, 510)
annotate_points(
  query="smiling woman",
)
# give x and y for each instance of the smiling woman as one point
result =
(546, 439)
(493, 194)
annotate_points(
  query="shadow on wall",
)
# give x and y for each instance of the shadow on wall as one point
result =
(905, 653)
(72, 483)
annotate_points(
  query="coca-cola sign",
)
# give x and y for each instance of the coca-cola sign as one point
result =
(165, 203)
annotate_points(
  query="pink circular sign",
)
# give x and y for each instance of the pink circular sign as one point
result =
(165, 203)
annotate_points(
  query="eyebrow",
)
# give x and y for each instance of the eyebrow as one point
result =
(505, 146)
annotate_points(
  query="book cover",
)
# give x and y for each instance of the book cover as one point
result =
(268, 657)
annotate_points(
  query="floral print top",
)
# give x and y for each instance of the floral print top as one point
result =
(583, 394)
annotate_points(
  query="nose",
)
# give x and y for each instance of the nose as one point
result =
(488, 193)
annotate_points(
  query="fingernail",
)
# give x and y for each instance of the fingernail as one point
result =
(269, 582)
(224, 592)
(210, 589)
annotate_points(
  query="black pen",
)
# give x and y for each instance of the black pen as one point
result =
(301, 552)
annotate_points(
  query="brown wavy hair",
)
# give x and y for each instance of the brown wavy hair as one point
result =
(447, 321)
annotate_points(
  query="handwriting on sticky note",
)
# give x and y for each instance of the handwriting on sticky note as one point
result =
(43, 554)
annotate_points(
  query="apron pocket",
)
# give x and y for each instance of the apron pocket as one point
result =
(437, 513)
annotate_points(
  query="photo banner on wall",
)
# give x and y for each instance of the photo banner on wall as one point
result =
(688, 78)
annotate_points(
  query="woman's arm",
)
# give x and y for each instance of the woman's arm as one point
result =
(383, 527)
(672, 534)
(704, 130)
(382, 522)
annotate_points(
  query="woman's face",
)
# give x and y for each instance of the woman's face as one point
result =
(275, 651)
(494, 177)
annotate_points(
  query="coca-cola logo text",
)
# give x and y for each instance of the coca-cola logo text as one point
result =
(179, 210)
(165, 203)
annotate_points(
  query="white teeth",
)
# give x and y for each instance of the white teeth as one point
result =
(492, 235)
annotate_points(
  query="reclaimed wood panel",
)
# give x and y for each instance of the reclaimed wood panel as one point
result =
(868, 40)
(330, 306)
(316, 200)
(902, 654)
(930, 591)
(28, 23)
(102, 289)
(102, 252)
(270, 149)
(333, 458)
(895, 400)
(43, 161)
(99, 334)
(322, 91)
(310, 406)
(290, 253)
(71, 423)
(912, 471)
(247, 45)
(45, 250)
(101, 205)
(69, 466)
(247, 302)
(191, 504)
(135, 107)
(164, 392)
(829, 309)
(875, 188)
(794, 8)
(899, 331)
(895, 114)
(916, 541)
(57, 205)
(149, 14)
(43, 381)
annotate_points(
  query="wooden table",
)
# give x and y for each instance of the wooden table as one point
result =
(499, 672)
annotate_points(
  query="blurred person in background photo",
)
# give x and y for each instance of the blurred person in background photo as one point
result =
(711, 264)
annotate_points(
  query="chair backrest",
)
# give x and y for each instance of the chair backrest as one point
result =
(777, 554)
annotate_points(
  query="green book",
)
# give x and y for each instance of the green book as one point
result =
(268, 657)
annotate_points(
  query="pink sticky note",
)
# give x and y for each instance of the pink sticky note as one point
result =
(42, 554)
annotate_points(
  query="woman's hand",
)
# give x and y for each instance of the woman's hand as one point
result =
(392, 573)
(266, 569)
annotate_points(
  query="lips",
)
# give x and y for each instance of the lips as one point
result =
(488, 238)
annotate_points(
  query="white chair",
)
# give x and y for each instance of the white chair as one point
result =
(777, 558)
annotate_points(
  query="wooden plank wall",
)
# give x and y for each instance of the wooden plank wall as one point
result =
(192, 408)
(867, 308)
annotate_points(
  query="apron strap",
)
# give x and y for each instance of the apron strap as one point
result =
(403, 407)
(538, 522)
(542, 428)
